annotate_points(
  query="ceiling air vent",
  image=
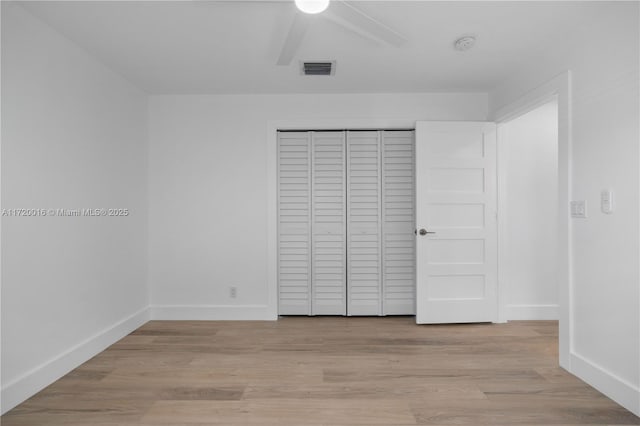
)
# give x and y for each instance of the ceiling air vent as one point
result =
(318, 68)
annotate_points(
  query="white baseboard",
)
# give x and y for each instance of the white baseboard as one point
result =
(212, 312)
(621, 391)
(532, 312)
(25, 386)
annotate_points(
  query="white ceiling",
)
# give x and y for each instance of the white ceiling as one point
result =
(199, 46)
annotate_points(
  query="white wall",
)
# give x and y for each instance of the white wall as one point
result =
(208, 189)
(529, 175)
(606, 248)
(73, 136)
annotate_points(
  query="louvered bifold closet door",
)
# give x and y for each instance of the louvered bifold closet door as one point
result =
(328, 224)
(364, 279)
(294, 223)
(398, 222)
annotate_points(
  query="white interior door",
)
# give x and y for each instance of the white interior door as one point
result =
(456, 249)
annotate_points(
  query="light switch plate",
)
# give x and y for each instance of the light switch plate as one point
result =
(606, 201)
(579, 209)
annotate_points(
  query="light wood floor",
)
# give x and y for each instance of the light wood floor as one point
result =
(324, 371)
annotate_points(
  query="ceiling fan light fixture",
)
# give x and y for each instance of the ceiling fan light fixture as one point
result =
(312, 6)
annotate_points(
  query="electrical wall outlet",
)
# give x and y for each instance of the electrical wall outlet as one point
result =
(233, 292)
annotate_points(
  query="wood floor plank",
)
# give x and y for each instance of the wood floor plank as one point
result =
(283, 412)
(542, 392)
(408, 391)
(433, 375)
(213, 376)
(140, 391)
(445, 361)
(518, 412)
(118, 358)
(75, 412)
(285, 360)
(324, 371)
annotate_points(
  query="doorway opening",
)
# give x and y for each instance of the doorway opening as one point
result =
(528, 210)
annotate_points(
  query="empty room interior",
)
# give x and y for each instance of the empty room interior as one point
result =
(320, 212)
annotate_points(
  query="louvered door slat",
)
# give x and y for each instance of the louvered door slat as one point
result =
(328, 224)
(398, 222)
(363, 224)
(294, 223)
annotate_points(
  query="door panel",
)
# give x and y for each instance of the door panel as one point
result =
(328, 224)
(294, 223)
(398, 222)
(456, 204)
(364, 278)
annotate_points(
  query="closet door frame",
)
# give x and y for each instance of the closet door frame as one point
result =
(270, 310)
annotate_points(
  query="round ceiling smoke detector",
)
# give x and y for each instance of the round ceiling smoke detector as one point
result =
(464, 43)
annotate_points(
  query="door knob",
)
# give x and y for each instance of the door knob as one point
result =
(425, 232)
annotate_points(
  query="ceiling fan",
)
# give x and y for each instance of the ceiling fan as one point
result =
(341, 12)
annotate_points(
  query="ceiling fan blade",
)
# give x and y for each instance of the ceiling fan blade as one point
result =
(353, 19)
(296, 33)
